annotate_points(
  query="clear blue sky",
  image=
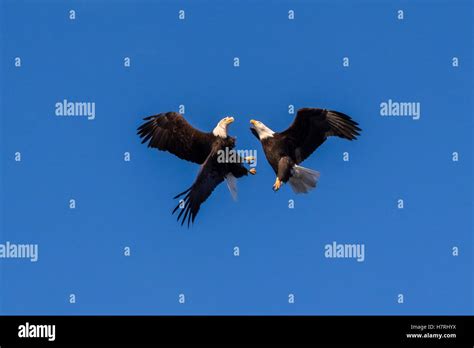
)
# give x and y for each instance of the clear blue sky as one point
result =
(190, 62)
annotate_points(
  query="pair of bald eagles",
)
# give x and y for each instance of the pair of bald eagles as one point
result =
(284, 151)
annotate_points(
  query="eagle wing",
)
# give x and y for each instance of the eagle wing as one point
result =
(312, 126)
(171, 132)
(210, 175)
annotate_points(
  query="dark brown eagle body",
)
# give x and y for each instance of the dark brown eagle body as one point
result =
(310, 128)
(171, 132)
(211, 174)
(279, 155)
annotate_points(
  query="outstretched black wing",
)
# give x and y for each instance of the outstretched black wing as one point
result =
(311, 127)
(211, 174)
(171, 132)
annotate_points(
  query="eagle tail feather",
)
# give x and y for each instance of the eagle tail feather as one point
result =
(231, 181)
(303, 179)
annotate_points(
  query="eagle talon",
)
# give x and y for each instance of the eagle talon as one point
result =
(249, 159)
(276, 185)
(253, 171)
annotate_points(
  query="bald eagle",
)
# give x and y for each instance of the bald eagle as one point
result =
(286, 150)
(171, 132)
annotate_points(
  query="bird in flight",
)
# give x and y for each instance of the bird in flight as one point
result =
(286, 150)
(171, 132)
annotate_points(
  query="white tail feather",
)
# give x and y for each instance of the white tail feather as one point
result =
(303, 180)
(232, 185)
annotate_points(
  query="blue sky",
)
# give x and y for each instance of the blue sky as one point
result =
(299, 62)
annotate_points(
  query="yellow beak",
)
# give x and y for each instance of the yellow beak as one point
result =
(253, 122)
(229, 120)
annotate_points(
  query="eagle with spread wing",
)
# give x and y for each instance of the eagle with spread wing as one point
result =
(309, 130)
(171, 132)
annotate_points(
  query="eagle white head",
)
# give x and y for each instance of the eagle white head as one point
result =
(262, 130)
(221, 128)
